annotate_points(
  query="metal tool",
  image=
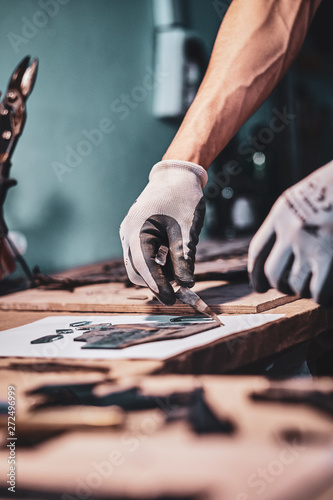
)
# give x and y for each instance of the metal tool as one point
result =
(80, 323)
(122, 336)
(12, 119)
(94, 326)
(47, 339)
(190, 320)
(185, 294)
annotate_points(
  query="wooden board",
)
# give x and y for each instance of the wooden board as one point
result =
(303, 320)
(223, 297)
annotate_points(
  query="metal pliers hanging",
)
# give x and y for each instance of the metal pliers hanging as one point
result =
(12, 120)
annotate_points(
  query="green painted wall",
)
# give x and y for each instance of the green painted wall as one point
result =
(90, 53)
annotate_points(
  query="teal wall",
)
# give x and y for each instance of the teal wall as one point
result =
(90, 53)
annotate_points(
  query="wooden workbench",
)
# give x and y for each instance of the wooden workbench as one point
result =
(229, 293)
(276, 451)
(303, 321)
(149, 459)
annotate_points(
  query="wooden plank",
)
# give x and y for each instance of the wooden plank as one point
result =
(303, 320)
(223, 297)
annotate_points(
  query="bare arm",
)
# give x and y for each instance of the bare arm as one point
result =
(257, 42)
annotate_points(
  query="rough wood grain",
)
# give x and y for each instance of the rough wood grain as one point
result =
(223, 297)
(304, 320)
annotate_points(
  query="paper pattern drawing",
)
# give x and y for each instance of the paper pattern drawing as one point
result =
(17, 341)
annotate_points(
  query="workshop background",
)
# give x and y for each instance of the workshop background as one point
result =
(75, 185)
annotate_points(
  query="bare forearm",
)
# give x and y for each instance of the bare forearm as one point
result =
(256, 43)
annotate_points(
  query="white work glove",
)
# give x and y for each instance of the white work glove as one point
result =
(293, 249)
(170, 212)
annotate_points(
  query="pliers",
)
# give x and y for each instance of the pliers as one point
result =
(12, 120)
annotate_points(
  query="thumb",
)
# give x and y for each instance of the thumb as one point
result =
(182, 253)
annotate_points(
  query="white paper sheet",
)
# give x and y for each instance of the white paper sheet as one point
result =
(16, 341)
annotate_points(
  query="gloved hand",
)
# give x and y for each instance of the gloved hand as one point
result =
(293, 249)
(169, 211)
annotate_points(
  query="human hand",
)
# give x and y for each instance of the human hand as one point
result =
(293, 249)
(170, 212)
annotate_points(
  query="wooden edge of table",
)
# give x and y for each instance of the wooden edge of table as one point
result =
(303, 320)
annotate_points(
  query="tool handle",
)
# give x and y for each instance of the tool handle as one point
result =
(5, 184)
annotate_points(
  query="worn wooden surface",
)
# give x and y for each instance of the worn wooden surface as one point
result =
(215, 260)
(150, 459)
(223, 297)
(278, 452)
(304, 320)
